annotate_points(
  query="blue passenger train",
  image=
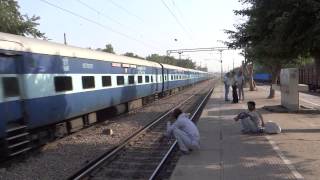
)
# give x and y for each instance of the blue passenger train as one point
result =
(44, 83)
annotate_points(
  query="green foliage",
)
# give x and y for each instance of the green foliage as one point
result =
(130, 54)
(186, 63)
(13, 22)
(278, 32)
(108, 49)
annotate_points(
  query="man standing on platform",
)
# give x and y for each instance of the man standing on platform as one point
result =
(226, 81)
(240, 83)
(185, 132)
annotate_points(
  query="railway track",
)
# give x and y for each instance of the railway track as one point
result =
(144, 154)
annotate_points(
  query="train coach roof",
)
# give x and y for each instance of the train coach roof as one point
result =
(25, 44)
(20, 43)
(181, 68)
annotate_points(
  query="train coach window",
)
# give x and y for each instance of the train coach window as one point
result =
(171, 77)
(87, 82)
(131, 79)
(151, 78)
(63, 83)
(106, 81)
(10, 86)
(139, 79)
(120, 80)
(147, 79)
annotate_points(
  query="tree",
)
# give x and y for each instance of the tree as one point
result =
(108, 49)
(262, 36)
(300, 28)
(12, 21)
(130, 54)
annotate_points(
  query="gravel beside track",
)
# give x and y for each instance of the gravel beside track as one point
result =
(64, 157)
(150, 147)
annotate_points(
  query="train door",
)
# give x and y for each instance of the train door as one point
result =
(156, 80)
(154, 75)
(13, 125)
(167, 79)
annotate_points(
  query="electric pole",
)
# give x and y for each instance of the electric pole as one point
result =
(221, 64)
(220, 49)
(232, 64)
(65, 38)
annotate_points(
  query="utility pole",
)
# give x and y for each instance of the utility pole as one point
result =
(232, 64)
(180, 55)
(65, 38)
(220, 49)
(221, 63)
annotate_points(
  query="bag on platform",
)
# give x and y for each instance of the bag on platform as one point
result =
(272, 128)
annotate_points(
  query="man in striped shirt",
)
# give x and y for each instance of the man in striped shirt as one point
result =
(251, 120)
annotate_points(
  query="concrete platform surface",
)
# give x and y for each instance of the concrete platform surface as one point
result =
(227, 154)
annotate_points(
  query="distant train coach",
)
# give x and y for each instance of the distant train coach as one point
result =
(43, 84)
(308, 75)
(262, 77)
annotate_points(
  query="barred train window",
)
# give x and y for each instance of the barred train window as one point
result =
(131, 79)
(106, 81)
(120, 80)
(88, 82)
(139, 79)
(147, 79)
(151, 78)
(10, 86)
(63, 83)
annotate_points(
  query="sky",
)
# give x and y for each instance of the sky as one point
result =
(143, 27)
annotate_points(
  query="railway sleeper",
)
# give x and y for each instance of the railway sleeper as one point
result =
(131, 167)
(121, 173)
(133, 164)
(146, 145)
(145, 151)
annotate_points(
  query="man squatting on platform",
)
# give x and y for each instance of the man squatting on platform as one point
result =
(251, 120)
(185, 132)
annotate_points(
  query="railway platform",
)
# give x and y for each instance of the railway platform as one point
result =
(227, 154)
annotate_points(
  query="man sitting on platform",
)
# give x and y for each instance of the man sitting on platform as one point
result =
(185, 132)
(251, 120)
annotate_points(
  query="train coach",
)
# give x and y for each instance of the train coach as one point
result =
(308, 75)
(46, 87)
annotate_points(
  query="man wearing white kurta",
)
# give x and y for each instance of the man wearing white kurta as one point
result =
(185, 132)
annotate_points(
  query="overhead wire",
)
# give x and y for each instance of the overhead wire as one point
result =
(97, 23)
(178, 21)
(136, 16)
(125, 10)
(112, 19)
(99, 12)
(181, 15)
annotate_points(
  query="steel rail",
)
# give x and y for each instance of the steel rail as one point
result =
(166, 156)
(85, 171)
